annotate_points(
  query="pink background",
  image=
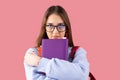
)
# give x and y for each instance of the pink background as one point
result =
(95, 26)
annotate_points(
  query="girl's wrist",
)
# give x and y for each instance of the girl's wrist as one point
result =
(38, 60)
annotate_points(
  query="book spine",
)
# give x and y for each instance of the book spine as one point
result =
(67, 49)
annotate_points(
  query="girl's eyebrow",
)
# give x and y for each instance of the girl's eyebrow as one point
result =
(60, 23)
(57, 24)
(50, 23)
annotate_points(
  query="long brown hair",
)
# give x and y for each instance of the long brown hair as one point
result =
(62, 13)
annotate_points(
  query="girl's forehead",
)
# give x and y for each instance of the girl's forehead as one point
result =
(54, 19)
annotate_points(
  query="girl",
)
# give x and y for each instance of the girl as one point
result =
(55, 25)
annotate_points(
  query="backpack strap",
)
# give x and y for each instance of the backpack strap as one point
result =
(73, 50)
(39, 51)
(91, 76)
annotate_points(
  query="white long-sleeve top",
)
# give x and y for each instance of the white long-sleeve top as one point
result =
(57, 69)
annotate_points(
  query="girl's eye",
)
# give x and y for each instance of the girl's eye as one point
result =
(61, 26)
(50, 26)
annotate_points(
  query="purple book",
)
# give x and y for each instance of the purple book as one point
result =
(55, 48)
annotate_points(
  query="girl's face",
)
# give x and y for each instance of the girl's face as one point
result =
(55, 27)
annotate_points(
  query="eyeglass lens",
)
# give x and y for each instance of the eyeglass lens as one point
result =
(51, 27)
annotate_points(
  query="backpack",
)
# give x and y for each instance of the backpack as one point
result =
(72, 57)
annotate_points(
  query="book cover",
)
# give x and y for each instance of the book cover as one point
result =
(55, 48)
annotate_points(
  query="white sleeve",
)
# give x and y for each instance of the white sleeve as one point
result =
(65, 70)
(31, 71)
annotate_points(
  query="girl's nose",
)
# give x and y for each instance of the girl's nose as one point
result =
(55, 30)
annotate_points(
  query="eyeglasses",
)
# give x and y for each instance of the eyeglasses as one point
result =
(60, 27)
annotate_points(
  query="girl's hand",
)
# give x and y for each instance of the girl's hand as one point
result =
(32, 59)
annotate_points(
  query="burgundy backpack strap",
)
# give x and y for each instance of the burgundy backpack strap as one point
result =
(91, 76)
(73, 50)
